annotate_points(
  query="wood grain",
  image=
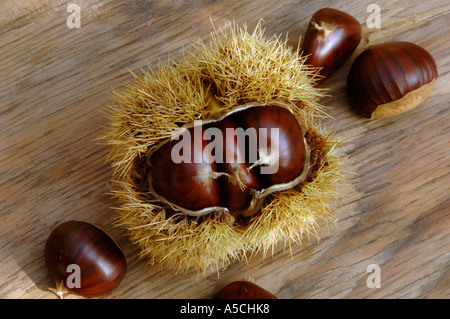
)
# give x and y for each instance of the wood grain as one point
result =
(56, 82)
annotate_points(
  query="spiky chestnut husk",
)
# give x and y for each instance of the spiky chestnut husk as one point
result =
(242, 68)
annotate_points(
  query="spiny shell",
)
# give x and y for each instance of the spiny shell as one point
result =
(243, 67)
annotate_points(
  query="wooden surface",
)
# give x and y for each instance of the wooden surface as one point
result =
(56, 81)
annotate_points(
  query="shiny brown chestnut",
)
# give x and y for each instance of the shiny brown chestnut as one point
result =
(243, 289)
(190, 182)
(390, 78)
(287, 163)
(83, 260)
(330, 39)
(230, 164)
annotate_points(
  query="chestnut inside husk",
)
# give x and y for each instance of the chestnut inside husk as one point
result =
(244, 211)
(231, 183)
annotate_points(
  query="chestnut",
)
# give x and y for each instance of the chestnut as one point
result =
(389, 78)
(243, 289)
(192, 182)
(330, 39)
(84, 260)
(289, 161)
(254, 151)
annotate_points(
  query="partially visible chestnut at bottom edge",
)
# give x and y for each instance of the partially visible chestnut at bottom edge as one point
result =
(243, 289)
(83, 260)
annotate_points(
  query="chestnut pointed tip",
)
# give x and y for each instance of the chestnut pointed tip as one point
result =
(61, 290)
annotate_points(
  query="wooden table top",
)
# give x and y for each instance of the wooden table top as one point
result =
(56, 81)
